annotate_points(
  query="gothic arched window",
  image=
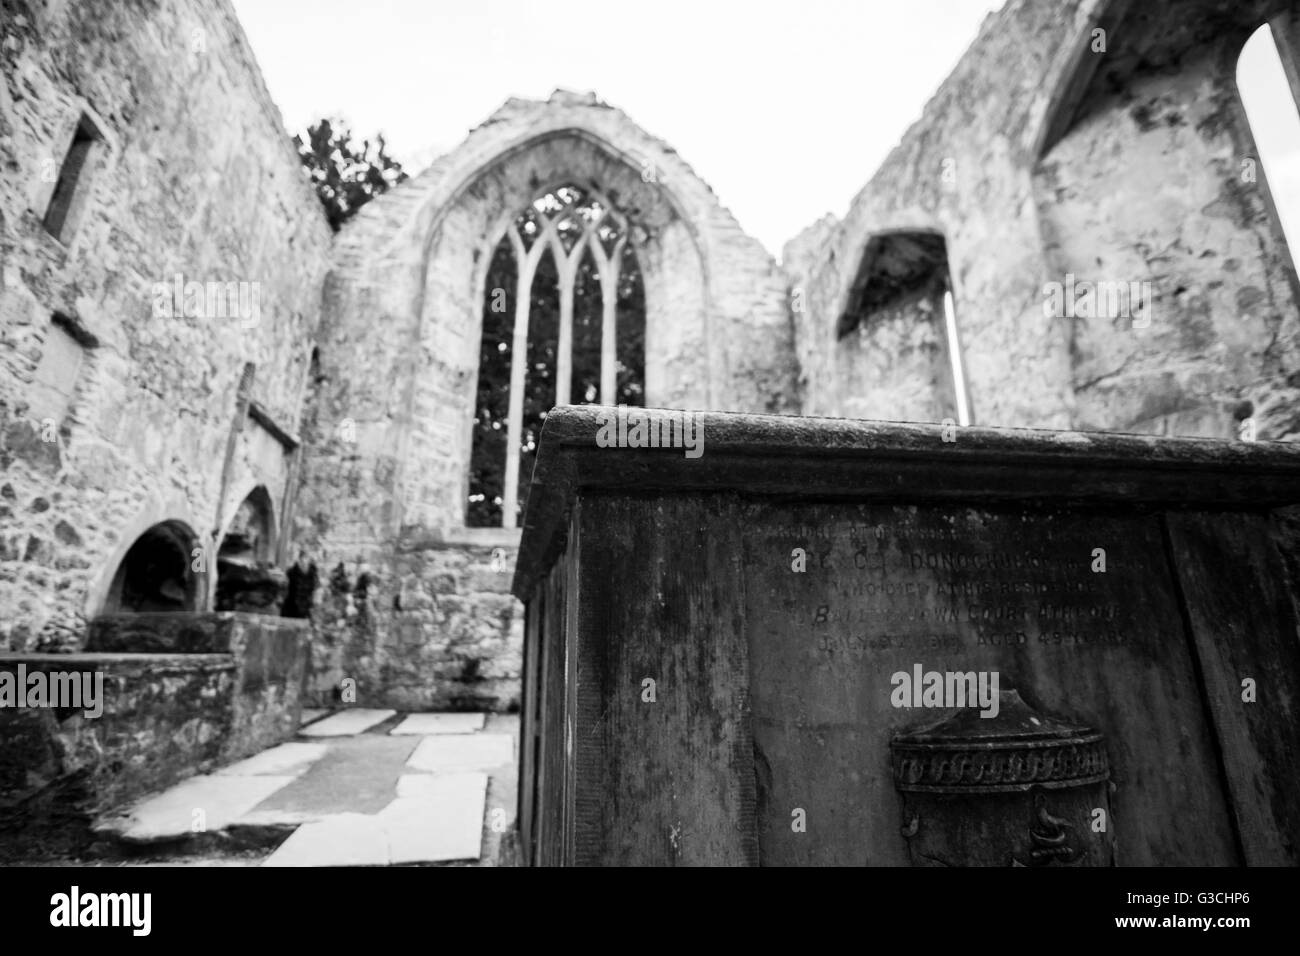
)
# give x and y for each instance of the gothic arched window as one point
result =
(563, 323)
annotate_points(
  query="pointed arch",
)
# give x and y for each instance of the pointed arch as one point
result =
(406, 299)
(157, 572)
(574, 241)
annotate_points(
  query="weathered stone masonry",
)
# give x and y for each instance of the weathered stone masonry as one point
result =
(1039, 158)
(336, 430)
(115, 421)
(195, 177)
(385, 482)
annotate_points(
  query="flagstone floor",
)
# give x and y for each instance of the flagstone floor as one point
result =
(355, 788)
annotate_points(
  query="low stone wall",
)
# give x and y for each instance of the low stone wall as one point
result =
(270, 655)
(430, 625)
(165, 717)
(211, 689)
(182, 632)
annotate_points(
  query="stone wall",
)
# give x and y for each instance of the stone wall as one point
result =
(162, 633)
(1159, 182)
(166, 717)
(389, 450)
(115, 417)
(1044, 156)
(1039, 159)
(881, 365)
(958, 171)
(428, 626)
(182, 694)
(271, 656)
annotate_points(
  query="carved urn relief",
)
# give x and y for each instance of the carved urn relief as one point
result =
(1017, 789)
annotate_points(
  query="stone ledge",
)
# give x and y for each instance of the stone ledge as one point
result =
(419, 539)
(183, 632)
(121, 663)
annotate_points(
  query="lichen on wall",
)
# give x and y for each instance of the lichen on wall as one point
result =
(192, 176)
(1075, 143)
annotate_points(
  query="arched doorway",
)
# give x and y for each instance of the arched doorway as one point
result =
(157, 574)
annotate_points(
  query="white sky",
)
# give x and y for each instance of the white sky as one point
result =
(1275, 124)
(785, 109)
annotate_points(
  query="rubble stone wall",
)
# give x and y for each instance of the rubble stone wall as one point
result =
(389, 460)
(1057, 154)
(118, 414)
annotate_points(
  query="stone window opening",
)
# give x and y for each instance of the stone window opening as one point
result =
(72, 186)
(246, 577)
(157, 574)
(1270, 106)
(905, 276)
(563, 323)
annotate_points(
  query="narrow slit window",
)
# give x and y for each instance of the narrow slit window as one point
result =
(71, 187)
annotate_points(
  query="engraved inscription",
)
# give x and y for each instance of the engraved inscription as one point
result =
(938, 586)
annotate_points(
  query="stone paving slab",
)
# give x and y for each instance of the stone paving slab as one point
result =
(423, 724)
(462, 752)
(415, 784)
(440, 819)
(342, 839)
(356, 800)
(346, 723)
(356, 775)
(286, 760)
(171, 814)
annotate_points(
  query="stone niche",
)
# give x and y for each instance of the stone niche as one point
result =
(246, 578)
(728, 658)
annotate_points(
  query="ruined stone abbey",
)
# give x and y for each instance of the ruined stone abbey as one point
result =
(236, 448)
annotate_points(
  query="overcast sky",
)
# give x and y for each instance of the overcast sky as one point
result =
(785, 109)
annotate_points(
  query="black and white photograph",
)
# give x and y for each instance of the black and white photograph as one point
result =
(836, 434)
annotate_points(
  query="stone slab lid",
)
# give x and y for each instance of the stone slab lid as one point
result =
(828, 458)
(1015, 750)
